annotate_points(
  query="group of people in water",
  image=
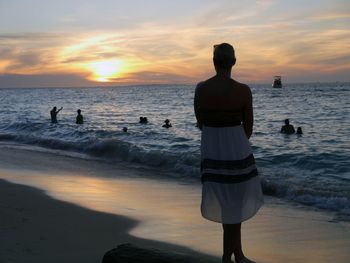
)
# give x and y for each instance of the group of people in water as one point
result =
(80, 119)
(166, 124)
(54, 112)
(288, 128)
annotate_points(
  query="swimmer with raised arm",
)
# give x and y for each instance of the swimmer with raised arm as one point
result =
(54, 113)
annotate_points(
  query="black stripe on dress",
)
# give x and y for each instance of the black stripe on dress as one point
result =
(221, 123)
(228, 179)
(228, 164)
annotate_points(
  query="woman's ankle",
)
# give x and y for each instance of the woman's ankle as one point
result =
(239, 256)
(226, 258)
(243, 260)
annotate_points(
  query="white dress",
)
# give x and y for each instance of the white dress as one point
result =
(231, 190)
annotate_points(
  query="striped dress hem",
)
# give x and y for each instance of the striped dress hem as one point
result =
(231, 188)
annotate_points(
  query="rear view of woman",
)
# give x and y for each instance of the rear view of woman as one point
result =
(231, 190)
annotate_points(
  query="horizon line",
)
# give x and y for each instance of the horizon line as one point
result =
(167, 84)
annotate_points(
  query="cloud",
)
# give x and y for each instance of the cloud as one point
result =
(153, 77)
(6, 52)
(44, 80)
(24, 60)
(331, 16)
(88, 57)
(30, 52)
(28, 36)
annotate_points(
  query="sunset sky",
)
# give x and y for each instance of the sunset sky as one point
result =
(112, 42)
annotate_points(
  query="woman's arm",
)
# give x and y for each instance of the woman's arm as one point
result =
(248, 117)
(196, 106)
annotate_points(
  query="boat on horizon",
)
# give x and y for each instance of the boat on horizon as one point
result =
(277, 82)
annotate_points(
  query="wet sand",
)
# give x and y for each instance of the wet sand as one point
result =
(113, 203)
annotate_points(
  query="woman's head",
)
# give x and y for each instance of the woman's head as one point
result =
(224, 56)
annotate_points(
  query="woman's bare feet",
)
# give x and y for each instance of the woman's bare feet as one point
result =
(244, 260)
(226, 259)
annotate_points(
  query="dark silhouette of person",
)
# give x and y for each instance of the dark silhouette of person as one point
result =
(231, 187)
(299, 130)
(287, 128)
(80, 118)
(167, 124)
(125, 129)
(143, 120)
(54, 113)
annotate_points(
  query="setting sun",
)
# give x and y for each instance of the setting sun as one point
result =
(105, 71)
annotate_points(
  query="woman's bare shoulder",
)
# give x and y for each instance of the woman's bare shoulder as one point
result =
(199, 85)
(240, 84)
(203, 84)
(244, 88)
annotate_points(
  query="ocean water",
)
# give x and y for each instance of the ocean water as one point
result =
(312, 169)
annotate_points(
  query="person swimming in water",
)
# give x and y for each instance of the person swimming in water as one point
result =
(80, 118)
(167, 124)
(54, 113)
(299, 130)
(143, 120)
(287, 128)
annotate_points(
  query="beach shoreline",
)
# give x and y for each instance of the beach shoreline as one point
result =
(147, 211)
(37, 228)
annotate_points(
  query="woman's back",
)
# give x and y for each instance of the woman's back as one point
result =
(222, 102)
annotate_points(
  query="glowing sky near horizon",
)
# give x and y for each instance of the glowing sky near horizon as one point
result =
(109, 42)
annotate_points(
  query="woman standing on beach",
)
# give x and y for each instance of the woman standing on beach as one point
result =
(231, 190)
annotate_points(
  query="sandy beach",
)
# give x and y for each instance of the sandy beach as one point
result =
(37, 228)
(79, 209)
